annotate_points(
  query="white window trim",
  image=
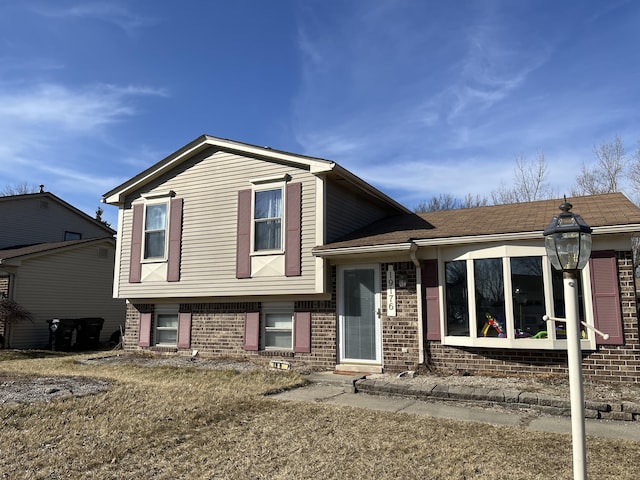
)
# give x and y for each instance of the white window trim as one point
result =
(164, 257)
(165, 309)
(263, 188)
(275, 307)
(506, 252)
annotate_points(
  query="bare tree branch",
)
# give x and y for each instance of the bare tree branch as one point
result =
(606, 174)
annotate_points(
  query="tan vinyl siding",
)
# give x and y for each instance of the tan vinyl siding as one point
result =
(209, 187)
(40, 219)
(75, 283)
(347, 211)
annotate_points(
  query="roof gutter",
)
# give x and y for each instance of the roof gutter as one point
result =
(338, 252)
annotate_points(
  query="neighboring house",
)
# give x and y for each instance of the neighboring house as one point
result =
(56, 262)
(231, 249)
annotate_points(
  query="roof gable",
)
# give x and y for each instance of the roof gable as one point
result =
(29, 197)
(203, 143)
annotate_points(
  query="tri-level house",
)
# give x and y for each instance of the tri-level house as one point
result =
(231, 249)
(56, 262)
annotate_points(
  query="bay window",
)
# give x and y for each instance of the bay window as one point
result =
(498, 298)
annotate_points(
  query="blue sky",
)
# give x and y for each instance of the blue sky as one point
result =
(418, 97)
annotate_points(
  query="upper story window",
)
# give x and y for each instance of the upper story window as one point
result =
(155, 231)
(500, 301)
(267, 218)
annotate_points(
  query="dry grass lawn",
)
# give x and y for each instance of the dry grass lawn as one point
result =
(171, 423)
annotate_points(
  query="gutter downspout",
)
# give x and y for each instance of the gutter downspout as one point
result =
(413, 249)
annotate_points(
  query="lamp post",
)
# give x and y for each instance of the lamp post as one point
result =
(567, 240)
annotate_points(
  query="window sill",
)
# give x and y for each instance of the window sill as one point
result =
(164, 348)
(515, 344)
(276, 353)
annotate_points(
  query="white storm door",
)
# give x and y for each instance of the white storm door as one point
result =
(359, 321)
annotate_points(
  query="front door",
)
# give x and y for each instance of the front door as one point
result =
(359, 319)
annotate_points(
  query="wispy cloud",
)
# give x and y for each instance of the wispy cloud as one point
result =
(60, 107)
(434, 108)
(110, 12)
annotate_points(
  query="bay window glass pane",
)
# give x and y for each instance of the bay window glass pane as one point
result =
(528, 297)
(559, 307)
(489, 289)
(457, 298)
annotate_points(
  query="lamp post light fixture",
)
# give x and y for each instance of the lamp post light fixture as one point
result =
(567, 240)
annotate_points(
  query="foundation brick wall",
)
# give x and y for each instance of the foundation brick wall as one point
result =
(217, 330)
(611, 364)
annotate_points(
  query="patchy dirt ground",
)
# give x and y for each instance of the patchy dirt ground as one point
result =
(28, 388)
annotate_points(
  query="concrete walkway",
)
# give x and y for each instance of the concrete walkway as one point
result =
(333, 389)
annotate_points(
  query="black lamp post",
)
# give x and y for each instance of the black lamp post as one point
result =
(567, 240)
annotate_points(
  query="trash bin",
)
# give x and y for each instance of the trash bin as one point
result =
(61, 333)
(88, 333)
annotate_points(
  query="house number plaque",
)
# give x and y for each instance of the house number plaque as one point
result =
(391, 291)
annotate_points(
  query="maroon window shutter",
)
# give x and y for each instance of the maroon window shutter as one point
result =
(251, 331)
(144, 336)
(175, 240)
(432, 298)
(293, 219)
(302, 332)
(243, 242)
(184, 329)
(135, 267)
(606, 297)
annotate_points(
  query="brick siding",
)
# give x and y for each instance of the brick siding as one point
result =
(401, 332)
(218, 330)
(611, 364)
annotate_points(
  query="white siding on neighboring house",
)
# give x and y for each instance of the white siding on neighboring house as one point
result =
(73, 283)
(209, 186)
(27, 220)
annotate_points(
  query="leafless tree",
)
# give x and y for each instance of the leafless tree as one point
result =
(18, 189)
(606, 173)
(471, 201)
(444, 201)
(634, 171)
(530, 182)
